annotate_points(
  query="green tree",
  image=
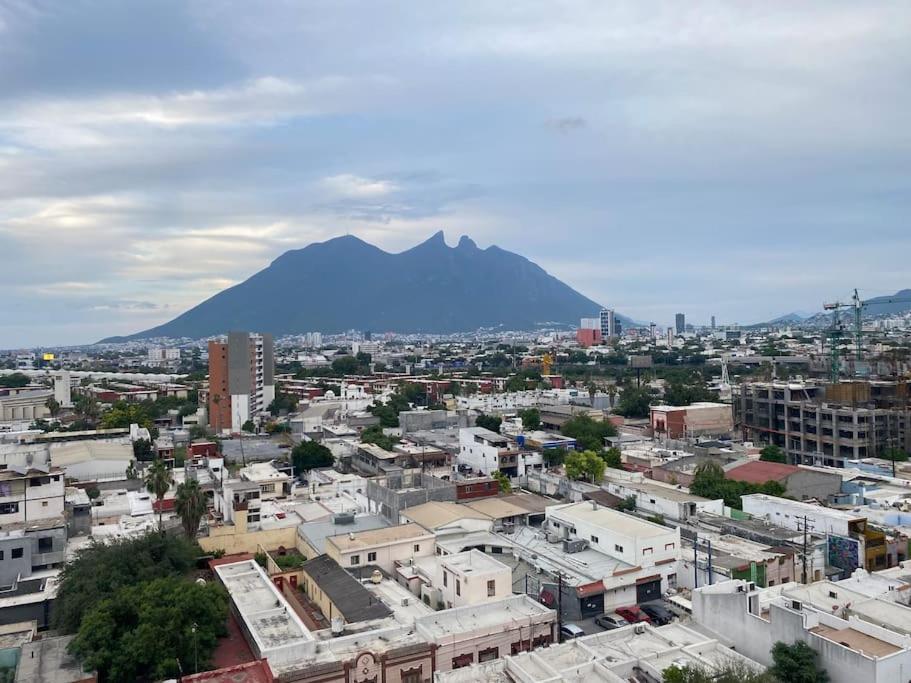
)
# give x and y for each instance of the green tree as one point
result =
(158, 480)
(152, 630)
(796, 663)
(142, 450)
(554, 457)
(374, 434)
(87, 408)
(345, 365)
(728, 672)
(516, 383)
(491, 422)
(680, 394)
(633, 403)
(101, 568)
(895, 455)
(612, 458)
(772, 453)
(585, 465)
(16, 380)
(248, 427)
(309, 455)
(588, 433)
(190, 505)
(53, 406)
(503, 481)
(628, 504)
(531, 418)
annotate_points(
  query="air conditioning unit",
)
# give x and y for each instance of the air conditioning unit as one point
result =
(575, 545)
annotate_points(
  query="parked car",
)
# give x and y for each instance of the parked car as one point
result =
(633, 614)
(570, 631)
(611, 621)
(658, 613)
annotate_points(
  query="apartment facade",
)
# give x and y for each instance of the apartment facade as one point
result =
(817, 424)
(241, 379)
(484, 451)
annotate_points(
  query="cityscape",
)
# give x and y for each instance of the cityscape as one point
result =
(263, 421)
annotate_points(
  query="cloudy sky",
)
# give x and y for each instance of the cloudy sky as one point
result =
(737, 159)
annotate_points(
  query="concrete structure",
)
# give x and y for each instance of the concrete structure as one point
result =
(241, 379)
(467, 578)
(47, 661)
(799, 482)
(25, 406)
(680, 323)
(668, 501)
(697, 419)
(419, 420)
(385, 548)
(445, 518)
(27, 548)
(63, 386)
(638, 652)
(814, 423)
(484, 452)
(609, 325)
(850, 648)
(272, 482)
(30, 494)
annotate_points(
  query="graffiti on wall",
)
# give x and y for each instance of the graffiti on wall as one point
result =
(843, 553)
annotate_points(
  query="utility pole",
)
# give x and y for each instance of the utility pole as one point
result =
(696, 561)
(804, 525)
(560, 607)
(711, 581)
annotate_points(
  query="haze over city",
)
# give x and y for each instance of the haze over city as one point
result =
(724, 160)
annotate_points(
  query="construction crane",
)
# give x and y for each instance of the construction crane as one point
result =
(547, 363)
(836, 330)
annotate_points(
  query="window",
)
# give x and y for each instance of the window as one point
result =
(9, 508)
(45, 544)
(668, 546)
(646, 551)
(17, 553)
(267, 488)
(1, 555)
(44, 503)
(458, 587)
(488, 655)
(462, 660)
(371, 557)
(445, 578)
(355, 560)
(594, 539)
(417, 547)
(491, 588)
(412, 675)
(618, 548)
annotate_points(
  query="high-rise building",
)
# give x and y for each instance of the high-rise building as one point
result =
(241, 379)
(610, 326)
(652, 331)
(670, 336)
(713, 323)
(680, 323)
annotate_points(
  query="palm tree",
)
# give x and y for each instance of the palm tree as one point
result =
(612, 392)
(53, 406)
(158, 480)
(191, 506)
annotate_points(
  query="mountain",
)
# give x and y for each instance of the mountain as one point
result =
(345, 283)
(888, 305)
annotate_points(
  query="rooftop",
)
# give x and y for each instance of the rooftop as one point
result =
(47, 661)
(856, 640)
(759, 472)
(435, 514)
(618, 522)
(375, 537)
(316, 532)
(497, 508)
(348, 594)
(472, 562)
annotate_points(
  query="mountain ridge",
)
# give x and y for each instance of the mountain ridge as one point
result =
(347, 283)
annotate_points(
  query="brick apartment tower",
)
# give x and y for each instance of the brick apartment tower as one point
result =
(241, 379)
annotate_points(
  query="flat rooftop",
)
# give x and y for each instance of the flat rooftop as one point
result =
(621, 523)
(382, 536)
(856, 640)
(266, 614)
(486, 616)
(47, 661)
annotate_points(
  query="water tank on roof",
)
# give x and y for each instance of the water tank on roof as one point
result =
(343, 518)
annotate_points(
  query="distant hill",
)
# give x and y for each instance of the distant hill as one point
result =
(345, 283)
(880, 306)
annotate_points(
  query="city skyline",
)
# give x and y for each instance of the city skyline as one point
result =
(655, 158)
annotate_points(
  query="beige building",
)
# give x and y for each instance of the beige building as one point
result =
(384, 548)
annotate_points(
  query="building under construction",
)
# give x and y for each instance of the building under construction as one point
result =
(818, 423)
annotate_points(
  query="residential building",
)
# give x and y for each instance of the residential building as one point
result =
(696, 419)
(818, 424)
(313, 536)
(338, 594)
(30, 494)
(850, 648)
(484, 452)
(385, 548)
(669, 502)
(467, 578)
(273, 483)
(851, 540)
(587, 337)
(444, 518)
(799, 482)
(241, 379)
(30, 547)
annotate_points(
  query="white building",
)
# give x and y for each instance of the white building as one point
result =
(484, 451)
(457, 580)
(30, 494)
(659, 499)
(63, 387)
(386, 548)
(851, 648)
(272, 482)
(791, 515)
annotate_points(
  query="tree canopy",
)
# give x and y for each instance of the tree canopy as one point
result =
(152, 630)
(612, 458)
(633, 402)
(531, 418)
(729, 672)
(374, 434)
(709, 482)
(309, 455)
(190, 505)
(100, 569)
(503, 481)
(584, 465)
(15, 380)
(796, 663)
(491, 422)
(588, 433)
(680, 394)
(772, 453)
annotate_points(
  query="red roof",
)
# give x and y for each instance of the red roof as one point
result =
(759, 472)
(251, 672)
(229, 559)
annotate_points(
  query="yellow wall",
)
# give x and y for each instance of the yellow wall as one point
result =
(228, 538)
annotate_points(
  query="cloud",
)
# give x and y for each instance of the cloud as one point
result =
(709, 157)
